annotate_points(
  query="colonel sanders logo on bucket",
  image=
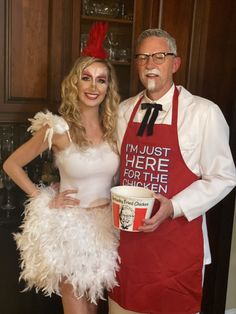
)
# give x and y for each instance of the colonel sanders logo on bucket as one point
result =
(126, 217)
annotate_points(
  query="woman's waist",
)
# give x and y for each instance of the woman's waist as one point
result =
(87, 194)
(98, 203)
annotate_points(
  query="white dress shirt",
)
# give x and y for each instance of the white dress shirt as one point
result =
(204, 143)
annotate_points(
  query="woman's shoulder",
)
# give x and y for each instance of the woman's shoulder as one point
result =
(55, 123)
(50, 119)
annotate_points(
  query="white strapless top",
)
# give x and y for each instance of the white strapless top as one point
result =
(90, 171)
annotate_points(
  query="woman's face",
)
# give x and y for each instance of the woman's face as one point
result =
(93, 85)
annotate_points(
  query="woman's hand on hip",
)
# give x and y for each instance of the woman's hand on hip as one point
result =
(64, 199)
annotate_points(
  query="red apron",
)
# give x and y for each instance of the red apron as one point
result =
(161, 271)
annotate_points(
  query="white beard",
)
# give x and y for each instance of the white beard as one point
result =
(151, 85)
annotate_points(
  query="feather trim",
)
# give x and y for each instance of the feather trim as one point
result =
(94, 46)
(56, 125)
(73, 243)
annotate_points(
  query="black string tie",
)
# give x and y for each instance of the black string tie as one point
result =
(150, 124)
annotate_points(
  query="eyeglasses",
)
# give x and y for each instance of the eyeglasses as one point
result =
(157, 57)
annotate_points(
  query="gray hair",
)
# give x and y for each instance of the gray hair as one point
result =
(157, 32)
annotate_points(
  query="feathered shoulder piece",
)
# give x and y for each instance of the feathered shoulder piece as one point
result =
(57, 125)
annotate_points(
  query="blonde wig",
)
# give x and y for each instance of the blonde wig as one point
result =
(70, 106)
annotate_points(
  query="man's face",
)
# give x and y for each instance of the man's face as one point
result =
(156, 78)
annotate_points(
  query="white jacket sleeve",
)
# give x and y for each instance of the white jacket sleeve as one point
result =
(216, 167)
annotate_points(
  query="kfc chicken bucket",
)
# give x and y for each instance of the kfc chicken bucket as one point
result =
(130, 205)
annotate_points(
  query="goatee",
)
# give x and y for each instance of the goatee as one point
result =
(151, 84)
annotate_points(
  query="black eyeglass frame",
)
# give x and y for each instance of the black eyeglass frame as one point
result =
(147, 55)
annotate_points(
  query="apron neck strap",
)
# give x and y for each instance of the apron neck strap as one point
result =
(175, 102)
(174, 107)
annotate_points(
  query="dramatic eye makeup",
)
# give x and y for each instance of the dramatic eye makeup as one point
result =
(102, 79)
(87, 76)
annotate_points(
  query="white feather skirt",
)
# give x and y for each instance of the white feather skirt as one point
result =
(76, 244)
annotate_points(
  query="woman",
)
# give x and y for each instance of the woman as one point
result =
(67, 244)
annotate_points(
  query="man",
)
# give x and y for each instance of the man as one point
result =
(179, 148)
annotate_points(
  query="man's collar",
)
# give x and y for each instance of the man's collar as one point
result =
(165, 100)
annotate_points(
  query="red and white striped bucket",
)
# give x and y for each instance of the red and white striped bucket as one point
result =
(130, 205)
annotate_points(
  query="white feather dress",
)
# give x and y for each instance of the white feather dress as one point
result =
(78, 244)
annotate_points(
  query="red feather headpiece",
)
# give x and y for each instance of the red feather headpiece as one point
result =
(94, 46)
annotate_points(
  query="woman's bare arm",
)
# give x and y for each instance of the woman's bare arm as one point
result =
(13, 166)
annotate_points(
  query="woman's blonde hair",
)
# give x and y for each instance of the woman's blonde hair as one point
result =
(70, 106)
